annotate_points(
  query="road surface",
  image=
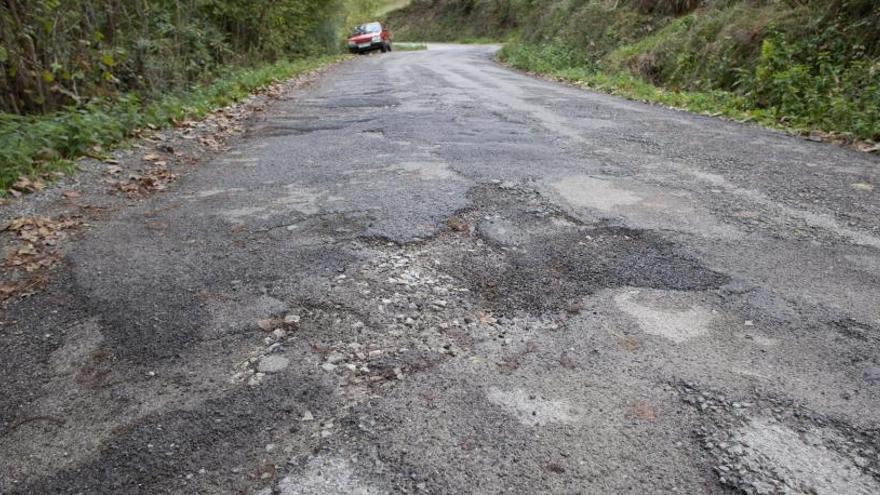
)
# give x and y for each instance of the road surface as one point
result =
(427, 273)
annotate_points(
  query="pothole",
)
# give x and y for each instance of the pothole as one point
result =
(532, 257)
(424, 170)
(590, 192)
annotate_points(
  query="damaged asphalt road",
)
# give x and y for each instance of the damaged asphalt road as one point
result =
(460, 279)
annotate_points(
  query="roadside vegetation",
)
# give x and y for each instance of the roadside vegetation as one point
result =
(803, 65)
(79, 76)
(42, 144)
(410, 47)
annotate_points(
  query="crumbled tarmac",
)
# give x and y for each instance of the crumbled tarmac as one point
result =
(764, 445)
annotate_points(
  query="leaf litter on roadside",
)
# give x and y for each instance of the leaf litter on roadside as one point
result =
(139, 185)
(35, 248)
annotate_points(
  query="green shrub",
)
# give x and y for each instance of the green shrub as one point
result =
(814, 82)
(55, 53)
(34, 144)
(804, 65)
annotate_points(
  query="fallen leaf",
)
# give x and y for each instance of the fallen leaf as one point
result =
(138, 185)
(151, 157)
(643, 410)
(27, 249)
(631, 343)
(457, 224)
(70, 194)
(24, 184)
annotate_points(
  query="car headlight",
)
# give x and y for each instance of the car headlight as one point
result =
(377, 38)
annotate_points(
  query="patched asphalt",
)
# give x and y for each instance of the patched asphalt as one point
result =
(427, 273)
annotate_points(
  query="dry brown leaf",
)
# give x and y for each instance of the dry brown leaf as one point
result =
(154, 180)
(70, 194)
(24, 184)
(27, 249)
(631, 343)
(39, 263)
(151, 157)
(643, 410)
(456, 224)
(35, 250)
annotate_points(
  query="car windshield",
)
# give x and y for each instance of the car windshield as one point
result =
(373, 27)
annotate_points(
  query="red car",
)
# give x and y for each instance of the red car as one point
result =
(368, 37)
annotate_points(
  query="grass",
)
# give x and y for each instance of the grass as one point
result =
(33, 146)
(477, 40)
(409, 46)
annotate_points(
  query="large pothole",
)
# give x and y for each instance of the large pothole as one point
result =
(527, 255)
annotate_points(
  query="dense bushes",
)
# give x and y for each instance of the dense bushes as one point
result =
(56, 53)
(807, 64)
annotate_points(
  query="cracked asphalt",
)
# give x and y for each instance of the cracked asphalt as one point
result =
(427, 273)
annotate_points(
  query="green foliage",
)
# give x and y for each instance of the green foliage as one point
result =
(35, 144)
(627, 85)
(81, 74)
(548, 58)
(58, 53)
(814, 82)
(410, 47)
